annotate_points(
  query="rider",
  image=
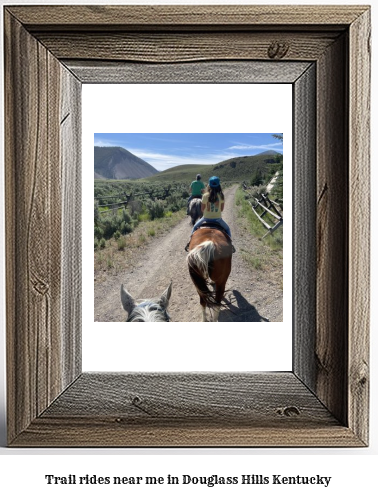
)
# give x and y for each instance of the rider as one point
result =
(212, 206)
(197, 187)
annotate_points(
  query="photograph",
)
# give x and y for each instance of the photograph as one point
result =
(190, 225)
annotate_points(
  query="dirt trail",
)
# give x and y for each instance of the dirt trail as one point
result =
(253, 295)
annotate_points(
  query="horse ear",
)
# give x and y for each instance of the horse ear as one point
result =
(127, 301)
(164, 299)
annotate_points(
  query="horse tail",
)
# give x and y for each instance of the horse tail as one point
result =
(199, 260)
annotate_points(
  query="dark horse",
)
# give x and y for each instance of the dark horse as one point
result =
(146, 310)
(209, 261)
(195, 211)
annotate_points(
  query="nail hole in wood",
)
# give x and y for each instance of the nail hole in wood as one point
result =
(278, 50)
(288, 411)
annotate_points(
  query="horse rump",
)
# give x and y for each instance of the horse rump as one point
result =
(195, 211)
(209, 260)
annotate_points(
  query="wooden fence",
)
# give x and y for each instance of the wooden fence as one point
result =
(268, 206)
(125, 198)
(159, 194)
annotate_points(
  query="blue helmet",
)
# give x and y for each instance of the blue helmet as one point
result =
(214, 182)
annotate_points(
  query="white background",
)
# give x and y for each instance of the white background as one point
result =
(185, 108)
(353, 470)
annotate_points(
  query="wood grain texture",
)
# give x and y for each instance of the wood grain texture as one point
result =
(324, 402)
(181, 16)
(181, 47)
(100, 432)
(304, 228)
(33, 227)
(229, 409)
(33, 196)
(70, 160)
(243, 397)
(359, 226)
(331, 351)
(200, 72)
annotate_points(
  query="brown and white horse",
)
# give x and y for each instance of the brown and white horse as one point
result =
(209, 261)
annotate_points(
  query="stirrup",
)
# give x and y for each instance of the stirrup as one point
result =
(233, 249)
(187, 247)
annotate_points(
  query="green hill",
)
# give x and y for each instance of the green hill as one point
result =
(235, 169)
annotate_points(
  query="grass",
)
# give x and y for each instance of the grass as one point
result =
(266, 253)
(143, 217)
(120, 254)
(255, 261)
(121, 242)
(141, 240)
(273, 241)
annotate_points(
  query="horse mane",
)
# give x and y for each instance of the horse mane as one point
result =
(147, 312)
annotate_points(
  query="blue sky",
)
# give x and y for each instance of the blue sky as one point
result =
(164, 151)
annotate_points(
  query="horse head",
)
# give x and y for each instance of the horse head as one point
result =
(146, 310)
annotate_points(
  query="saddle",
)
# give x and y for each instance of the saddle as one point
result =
(213, 225)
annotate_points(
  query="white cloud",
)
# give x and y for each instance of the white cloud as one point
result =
(164, 161)
(253, 146)
(102, 144)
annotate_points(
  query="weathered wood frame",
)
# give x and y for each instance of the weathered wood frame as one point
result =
(49, 52)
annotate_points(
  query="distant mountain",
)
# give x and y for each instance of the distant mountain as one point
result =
(269, 152)
(118, 163)
(234, 169)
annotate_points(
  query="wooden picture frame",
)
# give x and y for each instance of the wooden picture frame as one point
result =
(323, 51)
